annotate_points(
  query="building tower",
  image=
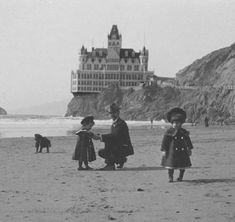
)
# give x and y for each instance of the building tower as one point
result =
(82, 58)
(114, 45)
(144, 54)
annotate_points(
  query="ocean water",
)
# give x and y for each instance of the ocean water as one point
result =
(28, 125)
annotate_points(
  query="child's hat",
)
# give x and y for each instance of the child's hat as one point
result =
(176, 114)
(86, 120)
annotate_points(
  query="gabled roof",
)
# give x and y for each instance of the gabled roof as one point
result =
(129, 53)
(98, 52)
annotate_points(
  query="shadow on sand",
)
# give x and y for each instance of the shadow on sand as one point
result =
(144, 168)
(141, 168)
(206, 181)
(58, 152)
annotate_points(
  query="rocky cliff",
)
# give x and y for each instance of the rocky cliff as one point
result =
(3, 111)
(212, 78)
(142, 104)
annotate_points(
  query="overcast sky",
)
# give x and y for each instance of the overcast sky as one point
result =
(40, 39)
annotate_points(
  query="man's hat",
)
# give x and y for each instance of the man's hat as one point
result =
(112, 108)
(86, 120)
(176, 114)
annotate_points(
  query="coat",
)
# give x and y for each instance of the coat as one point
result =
(84, 149)
(176, 144)
(118, 140)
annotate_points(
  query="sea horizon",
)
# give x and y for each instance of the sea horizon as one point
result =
(25, 125)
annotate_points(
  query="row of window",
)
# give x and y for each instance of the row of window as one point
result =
(129, 84)
(91, 89)
(113, 43)
(110, 67)
(97, 83)
(108, 76)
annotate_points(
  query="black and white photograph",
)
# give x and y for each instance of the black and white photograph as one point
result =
(117, 110)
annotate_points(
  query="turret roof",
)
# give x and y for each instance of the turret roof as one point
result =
(114, 33)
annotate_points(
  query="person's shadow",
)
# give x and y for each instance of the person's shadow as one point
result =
(141, 168)
(208, 181)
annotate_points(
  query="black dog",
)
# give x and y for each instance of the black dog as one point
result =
(41, 142)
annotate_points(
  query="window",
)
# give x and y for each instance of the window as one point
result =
(89, 66)
(96, 67)
(136, 67)
(129, 68)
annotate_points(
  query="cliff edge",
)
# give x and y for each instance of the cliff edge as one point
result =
(3, 111)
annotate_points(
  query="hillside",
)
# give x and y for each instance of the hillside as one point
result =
(212, 77)
(3, 111)
(215, 69)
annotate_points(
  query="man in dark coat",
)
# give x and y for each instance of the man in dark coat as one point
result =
(117, 143)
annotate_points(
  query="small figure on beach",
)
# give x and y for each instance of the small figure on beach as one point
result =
(206, 121)
(176, 145)
(41, 142)
(84, 150)
(151, 122)
(117, 143)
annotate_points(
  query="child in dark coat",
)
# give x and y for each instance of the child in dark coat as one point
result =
(84, 150)
(176, 145)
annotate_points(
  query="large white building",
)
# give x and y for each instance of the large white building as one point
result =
(103, 66)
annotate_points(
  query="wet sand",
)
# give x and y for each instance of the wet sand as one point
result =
(47, 187)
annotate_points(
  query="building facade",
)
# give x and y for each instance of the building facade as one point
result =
(101, 67)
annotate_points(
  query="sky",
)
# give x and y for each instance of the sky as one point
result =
(40, 39)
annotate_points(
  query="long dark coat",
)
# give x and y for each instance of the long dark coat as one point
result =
(84, 150)
(176, 144)
(118, 140)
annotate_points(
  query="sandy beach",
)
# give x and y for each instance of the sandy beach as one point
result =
(48, 188)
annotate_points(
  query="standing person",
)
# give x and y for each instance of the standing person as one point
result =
(206, 120)
(176, 145)
(151, 122)
(84, 150)
(117, 143)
